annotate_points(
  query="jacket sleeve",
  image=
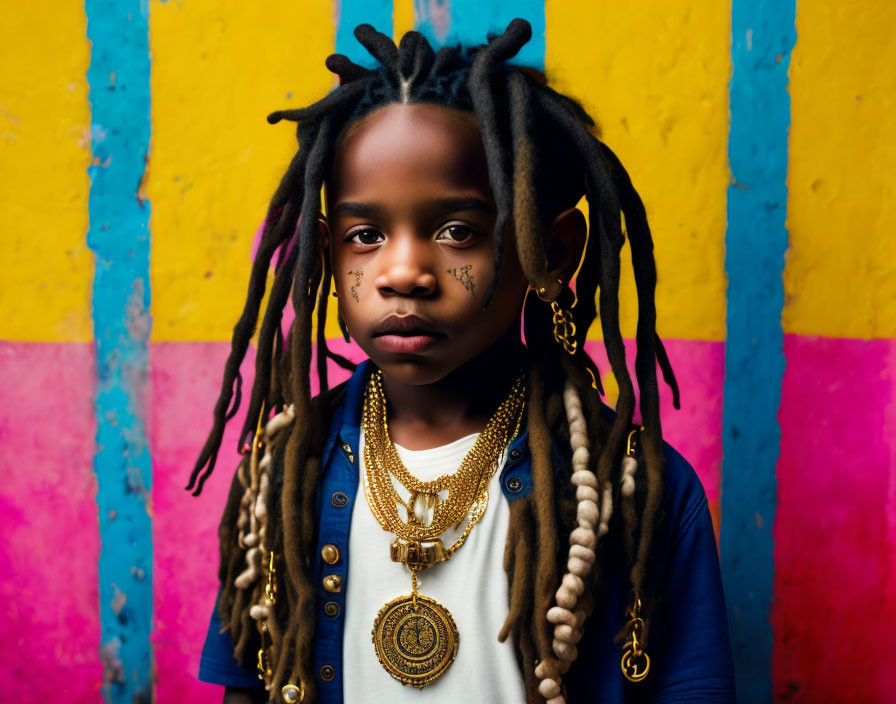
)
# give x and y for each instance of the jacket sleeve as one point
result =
(690, 628)
(217, 664)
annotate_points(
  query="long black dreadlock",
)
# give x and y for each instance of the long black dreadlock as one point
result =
(543, 156)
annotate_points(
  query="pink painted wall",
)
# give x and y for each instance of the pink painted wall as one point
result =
(185, 377)
(835, 530)
(48, 517)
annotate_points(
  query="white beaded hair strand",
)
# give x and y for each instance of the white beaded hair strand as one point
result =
(593, 511)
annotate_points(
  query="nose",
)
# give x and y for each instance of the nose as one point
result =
(406, 268)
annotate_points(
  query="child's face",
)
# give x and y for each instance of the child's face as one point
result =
(411, 214)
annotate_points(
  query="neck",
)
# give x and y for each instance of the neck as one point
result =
(421, 417)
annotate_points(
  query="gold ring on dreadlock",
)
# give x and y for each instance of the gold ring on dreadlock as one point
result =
(564, 328)
(635, 662)
(293, 694)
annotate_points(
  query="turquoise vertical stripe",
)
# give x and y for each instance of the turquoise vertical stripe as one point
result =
(469, 21)
(763, 35)
(118, 235)
(351, 13)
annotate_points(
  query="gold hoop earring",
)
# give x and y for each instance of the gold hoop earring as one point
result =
(564, 328)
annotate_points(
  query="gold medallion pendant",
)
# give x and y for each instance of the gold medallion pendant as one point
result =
(416, 639)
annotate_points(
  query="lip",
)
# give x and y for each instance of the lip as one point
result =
(405, 334)
(404, 325)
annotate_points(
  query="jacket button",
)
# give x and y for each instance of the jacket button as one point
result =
(330, 553)
(339, 499)
(333, 583)
(514, 485)
(515, 454)
(327, 673)
(331, 609)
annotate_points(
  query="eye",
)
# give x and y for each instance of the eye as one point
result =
(366, 237)
(457, 234)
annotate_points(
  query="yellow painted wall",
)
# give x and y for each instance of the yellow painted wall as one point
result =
(217, 70)
(655, 77)
(840, 278)
(44, 154)
(402, 18)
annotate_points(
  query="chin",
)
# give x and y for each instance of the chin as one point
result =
(414, 370)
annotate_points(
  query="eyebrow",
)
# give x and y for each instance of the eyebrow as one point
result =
(443, 205)
(453, 205)
(356, 210)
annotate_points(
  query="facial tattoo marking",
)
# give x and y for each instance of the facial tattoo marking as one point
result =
(357, 274)
(463, 275)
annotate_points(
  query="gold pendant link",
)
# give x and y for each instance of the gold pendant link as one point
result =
(564, 328)
(418, 555)
(635, 662)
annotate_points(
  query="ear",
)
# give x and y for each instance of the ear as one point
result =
(566, 242)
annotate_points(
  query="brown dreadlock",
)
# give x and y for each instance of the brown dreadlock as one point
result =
(542, 155)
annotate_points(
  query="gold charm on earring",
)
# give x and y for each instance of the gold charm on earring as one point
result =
(635, 662)
(564, 328)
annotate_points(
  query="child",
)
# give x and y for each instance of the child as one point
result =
(583, 564)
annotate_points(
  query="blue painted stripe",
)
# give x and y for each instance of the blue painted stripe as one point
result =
(351, 13)
(119, 237)
(763, 34)
(470, 21)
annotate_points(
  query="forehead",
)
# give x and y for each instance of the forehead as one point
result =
(405, 149)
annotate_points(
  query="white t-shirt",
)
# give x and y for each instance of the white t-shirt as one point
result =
(472, 586)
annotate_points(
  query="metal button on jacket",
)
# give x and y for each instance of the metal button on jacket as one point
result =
(333, 583)
(330, 554)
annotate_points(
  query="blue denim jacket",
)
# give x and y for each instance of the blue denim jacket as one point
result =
(689, 645)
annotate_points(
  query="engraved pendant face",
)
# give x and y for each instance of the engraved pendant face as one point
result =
(415, 646)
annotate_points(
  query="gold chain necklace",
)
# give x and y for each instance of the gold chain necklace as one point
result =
(415, 637)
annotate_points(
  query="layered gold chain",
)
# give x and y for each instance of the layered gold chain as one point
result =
(398, 625)
(467, 487)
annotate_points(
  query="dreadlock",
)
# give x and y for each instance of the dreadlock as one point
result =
(543, 155)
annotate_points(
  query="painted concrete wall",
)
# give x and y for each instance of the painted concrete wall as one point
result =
(136, 166)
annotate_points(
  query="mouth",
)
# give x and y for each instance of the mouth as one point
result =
(405, 334)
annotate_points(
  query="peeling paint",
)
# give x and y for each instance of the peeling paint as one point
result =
(118, 600)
